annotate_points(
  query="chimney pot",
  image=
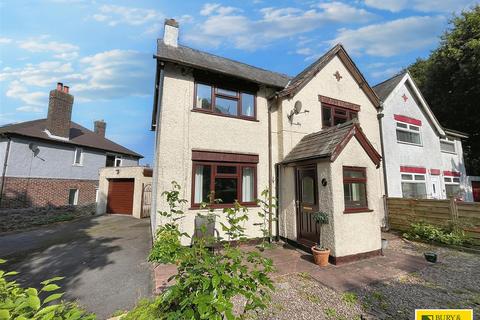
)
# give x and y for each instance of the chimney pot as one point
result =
(59, 86)
(66, 89)
(99, 127)
(170, 35)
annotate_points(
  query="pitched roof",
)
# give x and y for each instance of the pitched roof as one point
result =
(329, 143)
(79, 136)
(207, 61)
(299, 81)
(384, 88)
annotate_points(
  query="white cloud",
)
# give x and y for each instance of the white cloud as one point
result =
(447, 6)
(227, 24)
(393, 37)
(18, 90)
(64, 51)
(304, 51)
(114, 15)
(29, 109)
(5, 40)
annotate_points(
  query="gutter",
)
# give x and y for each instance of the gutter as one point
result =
(270, 177)
(4, 170)
(158, 94)
(380, 116)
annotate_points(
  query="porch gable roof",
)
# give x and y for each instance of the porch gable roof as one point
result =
(329, 143)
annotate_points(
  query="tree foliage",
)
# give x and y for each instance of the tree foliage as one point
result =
(450, 81)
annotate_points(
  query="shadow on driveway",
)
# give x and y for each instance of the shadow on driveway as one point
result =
(102, 258)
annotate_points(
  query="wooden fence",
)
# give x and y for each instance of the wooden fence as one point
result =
(402, 213)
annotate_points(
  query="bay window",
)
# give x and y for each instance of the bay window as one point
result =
(355, 189)
(228, 102)
(413, 186)
(228, 182)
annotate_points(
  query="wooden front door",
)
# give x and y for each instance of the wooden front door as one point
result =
(308, 231)
(120, 196)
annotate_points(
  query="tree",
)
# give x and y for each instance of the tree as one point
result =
(450, 81)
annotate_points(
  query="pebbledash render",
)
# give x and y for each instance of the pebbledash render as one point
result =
(422, 159)
(234, 129)
(55, 161)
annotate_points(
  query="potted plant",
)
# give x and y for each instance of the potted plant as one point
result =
(320, 253)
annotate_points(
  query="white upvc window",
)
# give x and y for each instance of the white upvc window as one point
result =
(118, 161)
(408, 133)
(73, 197)
(447, 145)
(78, 157)
(452, 186)
(414, 185)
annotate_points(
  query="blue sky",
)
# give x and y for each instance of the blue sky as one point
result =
(103, 49)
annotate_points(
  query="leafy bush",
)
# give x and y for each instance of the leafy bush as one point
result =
(21, 304)
(265, 214)
(167, 246)
(428, 232)
(208, 280)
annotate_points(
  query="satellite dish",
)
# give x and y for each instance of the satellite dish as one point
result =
(297, 107)
(32, 146)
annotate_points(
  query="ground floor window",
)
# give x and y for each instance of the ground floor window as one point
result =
(452, 186)
(414, 186)
(355, 189)
(73, 197)
(224, 180)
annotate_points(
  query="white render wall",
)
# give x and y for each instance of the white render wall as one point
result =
(427, 156)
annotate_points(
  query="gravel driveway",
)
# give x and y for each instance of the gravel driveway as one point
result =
(453, 282)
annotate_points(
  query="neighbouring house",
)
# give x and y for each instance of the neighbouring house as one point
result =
(125, 190)
(55, 161)
(421, 158)
(313, 140)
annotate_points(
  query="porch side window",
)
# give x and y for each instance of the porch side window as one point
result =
(414, 186)
(332, 115)
(225, 101)
(355, 189)
(408, 133)
(452, 186)
(228, 182)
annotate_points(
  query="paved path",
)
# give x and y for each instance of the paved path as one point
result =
(103, 259)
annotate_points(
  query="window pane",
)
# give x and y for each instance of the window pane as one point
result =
(78, 155)
(226, 189)
(308, 190)
(457, 180)
(453, 190)
(447, 179)
(347, 173)
(414, 190)
(414, 128)
(247, 185)
(248, 104)
(409, 137)
(341, 112)
(339, 120)
(407, 177)
(419, 177)
(355, 195)
(447, 146)
(72, 196)
(227, 169)
(226, 106)
(202, 183)
(204, 96)
(326, 117)
(110, 161)
(227, 92)
(402, 125)
(353, 115)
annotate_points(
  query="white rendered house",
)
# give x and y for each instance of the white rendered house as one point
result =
(421, 158)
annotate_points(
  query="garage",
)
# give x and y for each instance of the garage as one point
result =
(120, 196)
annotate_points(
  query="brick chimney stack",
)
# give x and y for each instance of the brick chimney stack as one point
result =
(60, 111)
(170, 33)
(99, 127)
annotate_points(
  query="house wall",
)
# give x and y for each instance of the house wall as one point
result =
(427, 156)
(134, 172)
(356, 232)
(184, 130)
(3, 152)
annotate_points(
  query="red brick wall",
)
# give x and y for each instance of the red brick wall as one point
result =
(40, 192)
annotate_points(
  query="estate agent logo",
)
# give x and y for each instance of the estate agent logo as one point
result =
(443, 314)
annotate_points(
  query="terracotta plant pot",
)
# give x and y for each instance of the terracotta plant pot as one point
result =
(320, 256)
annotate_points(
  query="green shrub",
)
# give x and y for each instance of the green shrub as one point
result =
(167, 246)
(431, 233)
(22, 304)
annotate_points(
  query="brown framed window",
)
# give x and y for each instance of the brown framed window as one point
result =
(224, 101)
(229, 182)
(332, 115)
(355, 189)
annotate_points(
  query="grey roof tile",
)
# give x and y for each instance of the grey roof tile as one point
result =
(384, 88)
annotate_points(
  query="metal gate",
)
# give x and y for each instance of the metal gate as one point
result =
(146, 200)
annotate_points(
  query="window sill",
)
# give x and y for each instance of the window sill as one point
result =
(223, 206)
(449, 152)
(224, 115)
(357, 210)
(410, 144)
(77, 165)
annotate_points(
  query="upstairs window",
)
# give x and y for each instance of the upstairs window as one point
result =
(408, 133)
(331, 115)
(223, 101)
(113, 161)
(78, 157)
(447, 145)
